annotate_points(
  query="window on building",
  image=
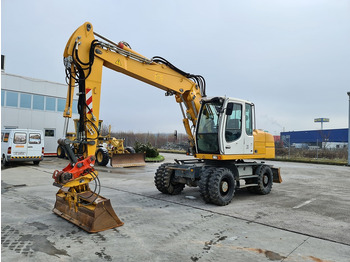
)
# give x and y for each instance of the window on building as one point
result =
(75, 107)
(2, 97)
(25, 101)
(38, 102)
(50, 104)
(12, 99)
(50, 132)
(61, 104)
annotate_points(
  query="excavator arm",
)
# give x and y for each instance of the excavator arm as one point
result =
(84, 59)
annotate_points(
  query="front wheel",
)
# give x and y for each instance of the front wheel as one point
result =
(221, 186)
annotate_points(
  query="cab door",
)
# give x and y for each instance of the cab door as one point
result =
(19, 148)
(238, 130)
(248, 124)
(35, 144)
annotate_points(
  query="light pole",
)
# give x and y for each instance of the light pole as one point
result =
(349, 133)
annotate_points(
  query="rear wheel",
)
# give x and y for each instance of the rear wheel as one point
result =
(102, 157)
(265, 178)
(164, 180)
(221, 186)
(5, 162)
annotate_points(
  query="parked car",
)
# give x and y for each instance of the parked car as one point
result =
(22, 145)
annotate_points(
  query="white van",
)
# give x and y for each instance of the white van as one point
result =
(22, 145)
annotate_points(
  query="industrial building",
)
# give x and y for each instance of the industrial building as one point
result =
(325, 138)
(35, 104)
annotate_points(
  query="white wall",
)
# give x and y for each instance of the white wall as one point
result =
(35, 119)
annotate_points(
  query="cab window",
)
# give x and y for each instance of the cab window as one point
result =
(207, 132)
(248, 119)
(233, 128)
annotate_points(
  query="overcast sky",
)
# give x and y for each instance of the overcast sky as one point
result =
(290, 57)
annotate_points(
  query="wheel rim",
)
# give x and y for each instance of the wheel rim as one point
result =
(99, 157)
(224, 187)
(265, 180)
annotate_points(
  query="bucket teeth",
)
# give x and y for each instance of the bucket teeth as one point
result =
(94, 213)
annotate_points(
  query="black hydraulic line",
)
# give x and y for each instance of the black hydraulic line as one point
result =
(97, 187)
(197, 78)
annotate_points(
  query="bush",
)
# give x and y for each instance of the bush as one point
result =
(148, 148)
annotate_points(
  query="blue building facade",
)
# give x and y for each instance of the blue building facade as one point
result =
(315, 137)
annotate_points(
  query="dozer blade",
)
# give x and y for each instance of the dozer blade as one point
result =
(128, 160)
(92, 217)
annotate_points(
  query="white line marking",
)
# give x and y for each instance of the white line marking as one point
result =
(305, 203)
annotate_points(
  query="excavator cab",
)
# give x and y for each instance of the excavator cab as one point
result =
(226, 127)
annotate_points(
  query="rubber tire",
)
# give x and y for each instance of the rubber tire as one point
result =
(265, 180)
(130, 150)
(162, 181)
(204, 181)
(102, 157)
(61, 153)
(215, 186)
(5, 162)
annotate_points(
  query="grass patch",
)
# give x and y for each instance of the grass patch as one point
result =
(173, 151)
(159, 158)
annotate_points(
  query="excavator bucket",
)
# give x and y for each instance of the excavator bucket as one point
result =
(128, 160)
(95, 216)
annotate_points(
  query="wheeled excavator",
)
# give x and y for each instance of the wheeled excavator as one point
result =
(221, 131)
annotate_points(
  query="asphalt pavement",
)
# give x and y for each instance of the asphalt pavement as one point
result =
(305, 218)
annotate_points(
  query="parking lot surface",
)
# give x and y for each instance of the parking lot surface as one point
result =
(305, 218)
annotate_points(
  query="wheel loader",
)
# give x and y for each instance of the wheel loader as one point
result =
(108, 150)
(221, 130)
